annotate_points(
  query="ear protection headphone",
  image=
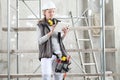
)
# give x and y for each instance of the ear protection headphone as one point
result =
(53, 21)
(50, 22)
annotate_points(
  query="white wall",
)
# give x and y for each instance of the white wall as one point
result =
(0, 24)
(28, 62)
(117, 34)
(27, 40)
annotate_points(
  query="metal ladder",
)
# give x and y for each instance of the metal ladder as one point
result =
(83, 63)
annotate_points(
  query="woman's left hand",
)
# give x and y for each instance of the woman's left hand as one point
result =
(65, 30)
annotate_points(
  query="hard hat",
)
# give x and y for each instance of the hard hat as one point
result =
(48, 5)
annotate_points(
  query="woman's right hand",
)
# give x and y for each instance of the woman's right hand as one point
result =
(53, 27)
(52, 30)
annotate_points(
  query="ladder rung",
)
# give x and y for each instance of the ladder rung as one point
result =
(84, 39)
(87, 64)
(96, 35)
(92, 77)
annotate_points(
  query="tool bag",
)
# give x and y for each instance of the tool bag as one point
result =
(62, 66)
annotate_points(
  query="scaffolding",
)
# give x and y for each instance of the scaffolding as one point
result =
(17, 29)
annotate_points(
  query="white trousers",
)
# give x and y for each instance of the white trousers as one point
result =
(48, 68)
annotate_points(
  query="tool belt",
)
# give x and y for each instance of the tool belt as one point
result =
(62, 63)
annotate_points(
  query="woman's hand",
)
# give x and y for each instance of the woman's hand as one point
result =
(65, 31)
(52, 30)
(53, 27)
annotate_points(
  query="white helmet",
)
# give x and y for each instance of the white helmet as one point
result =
(47, 4)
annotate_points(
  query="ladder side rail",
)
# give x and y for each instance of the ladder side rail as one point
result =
(76, 38)
(88, 22)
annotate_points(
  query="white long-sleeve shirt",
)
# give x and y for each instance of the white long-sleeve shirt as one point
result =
(54, 38)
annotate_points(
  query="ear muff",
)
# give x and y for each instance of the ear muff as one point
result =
(53, 21)
(50, 22)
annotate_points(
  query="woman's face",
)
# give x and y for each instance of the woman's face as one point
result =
(49, 13)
